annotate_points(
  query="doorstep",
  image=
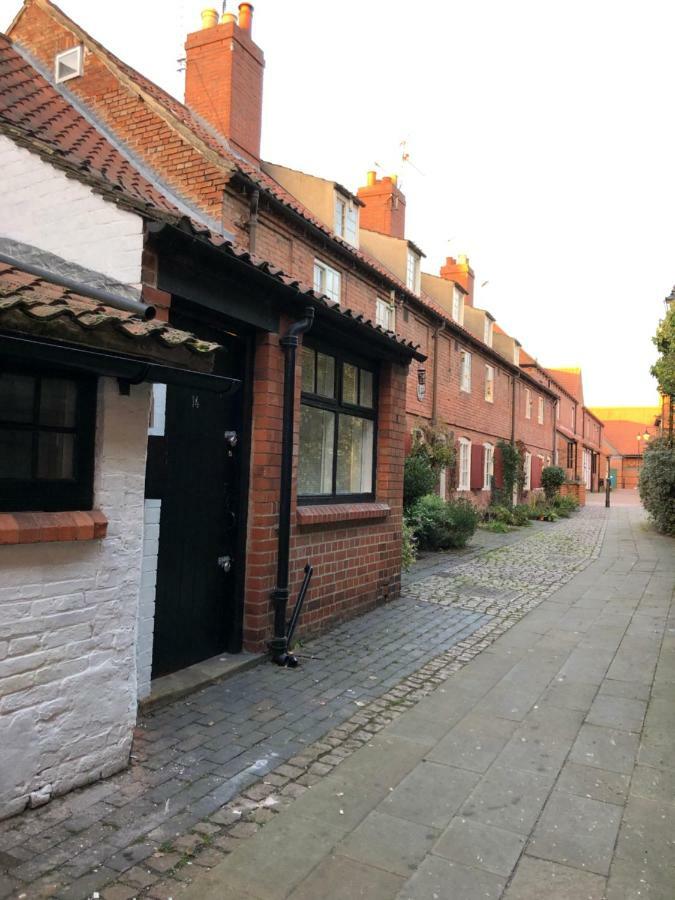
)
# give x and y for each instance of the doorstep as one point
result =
(186, 681)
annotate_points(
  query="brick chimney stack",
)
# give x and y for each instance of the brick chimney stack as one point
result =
(384, 209)
(224, 78)
(459, 271)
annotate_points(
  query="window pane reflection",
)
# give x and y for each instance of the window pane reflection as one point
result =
(315, 463)
(355, 456)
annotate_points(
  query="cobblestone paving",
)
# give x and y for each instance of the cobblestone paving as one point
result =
(211, 770)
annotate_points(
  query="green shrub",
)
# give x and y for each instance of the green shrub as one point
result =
(499, 514)
(439, 525)
(657, 484)
(566, 505)
(409, 546)
(552, 478)
(419, 478)
(520, 515)
(497, 527)
(536, 506)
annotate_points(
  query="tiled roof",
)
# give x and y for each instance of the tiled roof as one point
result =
(622, 435)
(29, 103)
(211, 140)
(34, 305)
(569, 380)
(37, 116)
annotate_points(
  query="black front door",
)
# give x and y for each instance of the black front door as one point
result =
(195, 595)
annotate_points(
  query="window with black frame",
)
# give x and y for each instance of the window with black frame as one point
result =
(337, 428)
(47, 427)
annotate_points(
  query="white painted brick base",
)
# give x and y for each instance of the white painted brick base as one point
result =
(146, 606)
(68, 621)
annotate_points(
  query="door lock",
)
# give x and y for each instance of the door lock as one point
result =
(225, 563)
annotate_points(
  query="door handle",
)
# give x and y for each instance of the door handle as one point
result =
(225, 563)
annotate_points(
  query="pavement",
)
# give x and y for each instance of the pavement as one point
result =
(482, 736)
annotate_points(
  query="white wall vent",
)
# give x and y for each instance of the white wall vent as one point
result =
(68, 64)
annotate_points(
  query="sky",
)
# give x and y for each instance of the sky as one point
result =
(540, 136)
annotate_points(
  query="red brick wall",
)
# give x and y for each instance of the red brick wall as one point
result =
(224, 83)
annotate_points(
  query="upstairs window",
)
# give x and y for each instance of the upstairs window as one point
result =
(464, 463)
(465, 371)
(528, 403)
(540, 410)
(487, 331)
(412, 278)
(458, 306)
(327, 281)
(47, 424)
(336, 456)
(346, 220)
(489, 384)
(385, 315)
(68, 64)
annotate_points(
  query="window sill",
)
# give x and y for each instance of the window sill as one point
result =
(47, 527)
(326, 514)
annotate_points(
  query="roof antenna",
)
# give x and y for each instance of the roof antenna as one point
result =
(405, 157)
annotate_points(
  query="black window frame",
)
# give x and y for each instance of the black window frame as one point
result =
(337, 406)
(54, 495)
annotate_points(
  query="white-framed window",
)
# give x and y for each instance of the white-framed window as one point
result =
(540, 410)
(465, 371)
(528, 471)
(488, 466)
(528, 403)
(327, 280)
(487, 331)
(68, 64)
(490, 384)
(385, 315)
(464, 463)
(412, 275)
(458, 306)
(346, 223)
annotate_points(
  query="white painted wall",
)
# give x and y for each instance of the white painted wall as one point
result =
(68, 624)
(146, 606)
(44, 208)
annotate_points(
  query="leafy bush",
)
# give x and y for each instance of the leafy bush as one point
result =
(513, 461)
(657, 484)
(566, 505)
(536, 506)
(439, 525)
(497, 527)
(409, 545)
(519, 515)
(552, 478)
(419, 478)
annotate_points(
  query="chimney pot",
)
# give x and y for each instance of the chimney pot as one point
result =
(394, 179)
(371, 177)
(246, 17)
(227, 18)
(384, 205)
(209, 18)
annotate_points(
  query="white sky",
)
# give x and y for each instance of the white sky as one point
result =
(545, 134)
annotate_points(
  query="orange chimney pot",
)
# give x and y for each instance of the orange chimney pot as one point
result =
(246, 17)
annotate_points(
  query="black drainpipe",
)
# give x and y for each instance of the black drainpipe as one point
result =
(289, 342)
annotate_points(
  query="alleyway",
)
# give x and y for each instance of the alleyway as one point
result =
(480, 737)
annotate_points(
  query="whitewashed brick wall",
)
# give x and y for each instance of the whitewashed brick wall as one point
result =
(44, 208)
(146, 606)
(68, 622)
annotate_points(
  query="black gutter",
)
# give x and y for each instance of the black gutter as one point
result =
(289, 342)
(128, 370)
(84, 290)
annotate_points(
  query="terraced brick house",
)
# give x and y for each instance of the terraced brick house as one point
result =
(266, 452)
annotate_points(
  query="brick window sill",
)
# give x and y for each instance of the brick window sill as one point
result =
(44, 527)
(341, 512)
